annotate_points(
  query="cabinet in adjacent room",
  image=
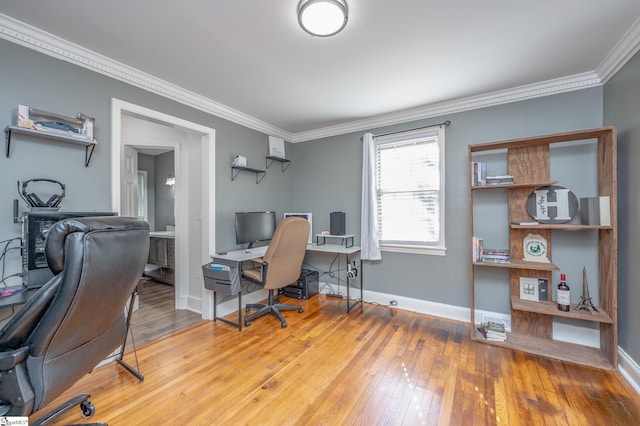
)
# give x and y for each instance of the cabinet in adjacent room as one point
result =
(162, 254)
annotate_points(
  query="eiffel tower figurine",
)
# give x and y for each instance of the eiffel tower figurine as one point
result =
(585, 300)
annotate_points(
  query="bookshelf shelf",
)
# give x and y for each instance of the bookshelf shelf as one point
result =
(520, 264)
(532, 322)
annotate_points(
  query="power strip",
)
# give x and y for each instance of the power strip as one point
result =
(338, 296)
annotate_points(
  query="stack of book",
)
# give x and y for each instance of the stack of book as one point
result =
(496, 255)
(497, 180)
(493, 331)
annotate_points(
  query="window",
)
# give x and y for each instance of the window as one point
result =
(410, 191)
(142, 195)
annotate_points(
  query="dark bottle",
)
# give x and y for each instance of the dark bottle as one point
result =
(564, 296)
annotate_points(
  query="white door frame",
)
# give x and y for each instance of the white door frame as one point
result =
(185, 299)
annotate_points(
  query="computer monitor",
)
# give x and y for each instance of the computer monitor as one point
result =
(253, 227)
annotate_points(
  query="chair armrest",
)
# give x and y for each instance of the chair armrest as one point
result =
(22, 324)
(10, 358)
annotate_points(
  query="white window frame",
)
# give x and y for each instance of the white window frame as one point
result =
(439, 247)
(144, 197)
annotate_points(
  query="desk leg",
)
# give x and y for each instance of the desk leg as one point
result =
(215, 314)
(119, 360)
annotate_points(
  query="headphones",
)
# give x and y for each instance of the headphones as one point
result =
(352, 271)
(33, 200)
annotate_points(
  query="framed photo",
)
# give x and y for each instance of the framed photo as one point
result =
(529, 289)
(307, 216)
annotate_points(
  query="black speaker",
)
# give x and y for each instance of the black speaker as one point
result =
(337, 223)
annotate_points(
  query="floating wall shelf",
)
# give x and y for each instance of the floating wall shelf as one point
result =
(88, 144)
(283, 161)
(235, 171)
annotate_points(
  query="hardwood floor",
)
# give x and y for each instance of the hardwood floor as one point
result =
(156, 316)
(374, 366)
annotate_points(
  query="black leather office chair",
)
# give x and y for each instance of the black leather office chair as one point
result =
(279, 267)
(77, 318)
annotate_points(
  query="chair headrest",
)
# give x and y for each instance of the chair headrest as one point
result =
(54, 248)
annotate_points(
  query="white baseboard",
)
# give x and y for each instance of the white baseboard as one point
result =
(629, 369)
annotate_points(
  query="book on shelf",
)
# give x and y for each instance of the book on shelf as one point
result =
(478, 173)
(496, 256)
(604, 204)
(525, 222)
(590, 211)
(497, 180)
(476, 249)
(543, 290)
(493, 331)
(595, 210)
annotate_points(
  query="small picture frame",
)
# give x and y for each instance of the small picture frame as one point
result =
(529, 289)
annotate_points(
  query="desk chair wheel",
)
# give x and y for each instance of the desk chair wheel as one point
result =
(300, 310)
(284, 324)
(247, 323)
(88, 409)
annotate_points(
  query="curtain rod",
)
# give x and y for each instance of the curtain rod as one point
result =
(445, 123)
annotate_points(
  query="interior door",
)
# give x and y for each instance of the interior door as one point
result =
(129, 190)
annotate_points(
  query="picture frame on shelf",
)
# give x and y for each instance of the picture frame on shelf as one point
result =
(529, 289)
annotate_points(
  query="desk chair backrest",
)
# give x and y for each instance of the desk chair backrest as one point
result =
(77, 318)
(286, 252)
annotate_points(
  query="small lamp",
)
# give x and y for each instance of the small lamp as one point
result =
(171, 180)
(323, 18)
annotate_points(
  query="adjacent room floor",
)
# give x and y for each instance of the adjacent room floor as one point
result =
(157, 316)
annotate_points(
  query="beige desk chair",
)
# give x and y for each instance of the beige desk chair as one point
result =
(280, 266)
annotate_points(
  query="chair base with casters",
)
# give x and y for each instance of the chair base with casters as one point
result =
(273, 306)
(88, 410)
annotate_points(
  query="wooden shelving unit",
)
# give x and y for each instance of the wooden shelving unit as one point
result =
(532, 322)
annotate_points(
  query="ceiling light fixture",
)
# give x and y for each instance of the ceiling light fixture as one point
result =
(323, 18)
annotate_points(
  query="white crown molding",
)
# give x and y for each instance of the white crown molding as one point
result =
(26, 35)
(36, 39)
(530, 91)
(624, 50)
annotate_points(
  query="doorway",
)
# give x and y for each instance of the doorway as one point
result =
(194, 151)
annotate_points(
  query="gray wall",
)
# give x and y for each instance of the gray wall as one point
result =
(147, 163)
(31, 78)
(621, 108)
(327, 177)
(165, 195)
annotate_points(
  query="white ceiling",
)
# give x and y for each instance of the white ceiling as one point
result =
(395, 60)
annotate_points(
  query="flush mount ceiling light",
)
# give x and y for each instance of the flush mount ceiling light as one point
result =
(323, 18)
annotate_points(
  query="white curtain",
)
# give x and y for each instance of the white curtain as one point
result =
(370, 245)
